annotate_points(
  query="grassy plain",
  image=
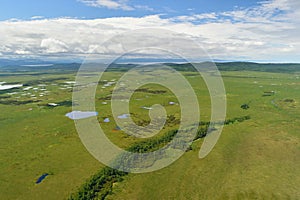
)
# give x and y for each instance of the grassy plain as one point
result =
(256, 159)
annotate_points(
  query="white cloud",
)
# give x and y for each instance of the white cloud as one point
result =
(51, 45)
(110, 4)
(22, 52)
(143, 7)
(196, 17)
(115, 4)
(37, 17)
(266, 32)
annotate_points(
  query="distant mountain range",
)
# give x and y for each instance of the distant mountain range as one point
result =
(30, 65)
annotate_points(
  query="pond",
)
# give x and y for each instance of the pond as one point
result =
(7, 87)
(81, 114)
(41, 178)
(106, 120)
(123, 116)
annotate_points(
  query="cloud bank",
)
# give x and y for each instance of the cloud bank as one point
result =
(268, 32)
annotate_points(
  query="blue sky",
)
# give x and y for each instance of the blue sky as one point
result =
(73, 8)
(261, 31)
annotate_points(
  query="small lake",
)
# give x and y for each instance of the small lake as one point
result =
(41, 178)
(7, 87)
(81, 114)
(124, 116)
(106, 120)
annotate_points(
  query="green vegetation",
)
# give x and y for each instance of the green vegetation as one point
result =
(101, 184)
(255, 159)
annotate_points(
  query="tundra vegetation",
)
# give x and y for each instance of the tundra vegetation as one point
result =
(256, 157)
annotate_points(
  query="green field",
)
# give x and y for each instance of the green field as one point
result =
(254, 159)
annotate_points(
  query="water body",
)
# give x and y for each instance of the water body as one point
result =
(146, 108)
(70, 82)
(27, 88)
(41, 178)
(7, 87)
(38, 65)
(52, 104)
(81, 114)
(106, 120)
(124, 116)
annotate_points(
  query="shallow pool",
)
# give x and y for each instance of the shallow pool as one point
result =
(81, 114)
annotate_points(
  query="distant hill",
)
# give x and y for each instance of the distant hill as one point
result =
(268, 67)
(32, 65)
(243, 66)
(8, 62)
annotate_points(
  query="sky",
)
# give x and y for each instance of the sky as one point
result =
(259, 31)
(92, 9)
